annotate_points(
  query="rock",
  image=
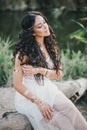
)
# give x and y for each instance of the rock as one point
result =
(6, 100)
(83, 110)
(73, 89)
(14, 121)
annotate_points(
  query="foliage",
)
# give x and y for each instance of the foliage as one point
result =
(5, 59)
(74, 64)
(80, 34)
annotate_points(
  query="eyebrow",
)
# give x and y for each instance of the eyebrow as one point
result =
(39, 23)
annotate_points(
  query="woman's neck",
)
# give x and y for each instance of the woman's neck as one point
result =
(40, 41)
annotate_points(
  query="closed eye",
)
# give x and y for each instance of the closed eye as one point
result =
(41, 24)
(44, 22)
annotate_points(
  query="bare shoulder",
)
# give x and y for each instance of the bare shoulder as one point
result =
(17, 61)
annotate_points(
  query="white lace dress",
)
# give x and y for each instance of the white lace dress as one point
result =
(65, 115)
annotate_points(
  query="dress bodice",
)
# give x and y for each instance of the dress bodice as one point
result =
(50, 63)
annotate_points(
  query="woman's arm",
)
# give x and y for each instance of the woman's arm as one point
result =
(17, 80)
(51, 73)
(45, 108)
(28, 70)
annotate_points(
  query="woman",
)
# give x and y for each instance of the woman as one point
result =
(37, 60)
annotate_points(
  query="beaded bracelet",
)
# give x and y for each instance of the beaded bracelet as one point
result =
(35, 70)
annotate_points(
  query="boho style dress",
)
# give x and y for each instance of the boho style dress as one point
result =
(65, 115)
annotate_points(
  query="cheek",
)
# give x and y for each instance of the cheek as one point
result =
(39, 32)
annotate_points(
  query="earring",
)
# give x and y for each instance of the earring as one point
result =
(33, 34)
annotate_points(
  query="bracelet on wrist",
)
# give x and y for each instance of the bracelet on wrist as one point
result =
(47, 73)
(36, 100)
(33, 98)
(26, 92)
(35, 70)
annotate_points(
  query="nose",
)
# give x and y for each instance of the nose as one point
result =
(45, 26)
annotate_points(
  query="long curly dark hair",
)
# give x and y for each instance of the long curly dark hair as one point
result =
(28, 49)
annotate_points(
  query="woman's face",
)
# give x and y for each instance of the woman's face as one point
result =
(41, 28)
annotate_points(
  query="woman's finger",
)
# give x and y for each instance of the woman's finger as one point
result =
(27, 66)
(27, 72)
(48, 114)
(44, 115)
(50, 108)
(26, 69)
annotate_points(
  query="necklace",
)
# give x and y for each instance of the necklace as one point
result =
(42, 49)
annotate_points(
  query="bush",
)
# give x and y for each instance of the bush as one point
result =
(6, 56)
(74, 65)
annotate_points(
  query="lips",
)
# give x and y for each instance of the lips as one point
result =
(47, 31)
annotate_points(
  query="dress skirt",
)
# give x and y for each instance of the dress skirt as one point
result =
(65, 115)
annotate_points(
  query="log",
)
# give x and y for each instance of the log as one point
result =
(73, 89)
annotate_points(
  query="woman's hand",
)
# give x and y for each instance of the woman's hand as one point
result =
(45, 108)
(29, 70)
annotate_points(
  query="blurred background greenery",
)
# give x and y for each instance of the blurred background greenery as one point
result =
(69, 21)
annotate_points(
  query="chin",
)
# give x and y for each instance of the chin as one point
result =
(47, 34)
